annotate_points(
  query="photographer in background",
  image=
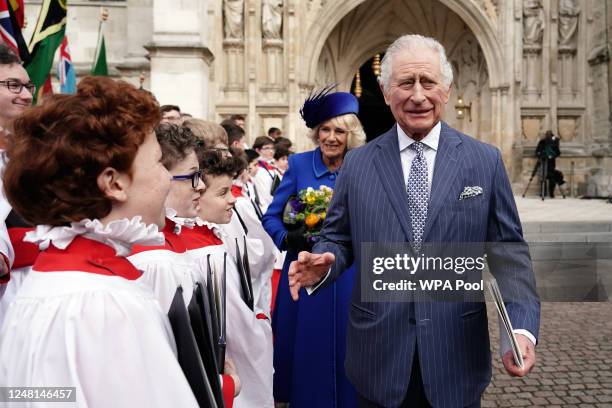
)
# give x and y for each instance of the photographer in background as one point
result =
(547, 151)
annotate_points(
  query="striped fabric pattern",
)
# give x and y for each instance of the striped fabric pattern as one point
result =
(370, 204)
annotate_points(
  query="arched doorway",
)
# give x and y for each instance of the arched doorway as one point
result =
(374, 113)
(368, 28)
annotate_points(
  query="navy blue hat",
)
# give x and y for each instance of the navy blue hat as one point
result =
(323, 106)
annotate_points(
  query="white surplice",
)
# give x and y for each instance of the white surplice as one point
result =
(249, 337)
(102, 334)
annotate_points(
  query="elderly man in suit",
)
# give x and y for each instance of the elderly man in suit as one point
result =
(409, 185)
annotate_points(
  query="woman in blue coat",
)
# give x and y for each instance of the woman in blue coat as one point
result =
(310, 334)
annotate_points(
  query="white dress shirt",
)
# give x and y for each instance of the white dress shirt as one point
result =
(407, 155)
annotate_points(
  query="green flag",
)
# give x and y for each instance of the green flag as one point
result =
(47, 37)
(100, 67)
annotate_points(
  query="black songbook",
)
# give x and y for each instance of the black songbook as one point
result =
(222, 343)
(188, 353)
(275, 183)
(199, 315)
(245, 278)
(247, 267)
(214, 314)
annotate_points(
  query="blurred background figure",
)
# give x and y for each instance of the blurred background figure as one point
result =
(171, 114)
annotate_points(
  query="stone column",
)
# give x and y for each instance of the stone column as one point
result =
(180, 57)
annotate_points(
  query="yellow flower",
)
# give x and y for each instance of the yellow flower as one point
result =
(310, 199)
(323, 215)
(311, 220)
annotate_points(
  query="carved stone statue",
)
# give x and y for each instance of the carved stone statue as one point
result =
(272, 19)
(569, 10)
(533, 22)
(233, 11)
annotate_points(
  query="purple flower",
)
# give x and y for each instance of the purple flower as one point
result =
(296, 205)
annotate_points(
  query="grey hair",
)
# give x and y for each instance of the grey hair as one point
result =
(412, 40)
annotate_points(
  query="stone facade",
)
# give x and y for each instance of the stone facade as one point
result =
(523, 66)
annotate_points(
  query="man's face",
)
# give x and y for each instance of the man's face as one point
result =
(171, 117)
(416, 94)
(12, 104)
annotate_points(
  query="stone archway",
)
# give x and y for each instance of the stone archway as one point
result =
(476, 19)
(375, 24)
(361, 34)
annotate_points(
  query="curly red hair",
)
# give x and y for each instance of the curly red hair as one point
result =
(59, 148)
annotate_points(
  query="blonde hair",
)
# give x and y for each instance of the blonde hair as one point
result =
(209, 132)
(350, 122)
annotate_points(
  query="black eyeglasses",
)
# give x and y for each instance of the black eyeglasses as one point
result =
(194, 177)
(15, 86)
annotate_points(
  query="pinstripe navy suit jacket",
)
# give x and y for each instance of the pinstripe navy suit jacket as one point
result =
(370, 205)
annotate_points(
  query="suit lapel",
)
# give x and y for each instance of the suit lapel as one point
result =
(389, 167)
(446, 169)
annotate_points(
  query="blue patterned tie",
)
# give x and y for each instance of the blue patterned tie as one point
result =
(418, 193)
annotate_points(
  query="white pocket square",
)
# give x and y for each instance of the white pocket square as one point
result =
(470, 192)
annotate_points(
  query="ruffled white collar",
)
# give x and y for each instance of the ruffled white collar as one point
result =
(217, 230)
(179, 222)
(118, 234)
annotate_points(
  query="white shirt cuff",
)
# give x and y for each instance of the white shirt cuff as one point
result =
(311, 289)
(527, 334)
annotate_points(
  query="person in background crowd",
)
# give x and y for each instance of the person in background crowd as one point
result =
(238, 120)
(310, 335)
(171, 114)
(275, 133)
(235, 135)
(86, 169)
(211, 134)
(547, 152)
(281, 159)
(16, 93)
(264, 180)
(283, 143)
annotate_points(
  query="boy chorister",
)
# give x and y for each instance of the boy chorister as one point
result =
(249, 334)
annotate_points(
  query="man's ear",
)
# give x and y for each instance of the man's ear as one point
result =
(113, 184)
(448, 93)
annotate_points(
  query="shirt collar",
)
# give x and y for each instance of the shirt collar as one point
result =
(431, 140)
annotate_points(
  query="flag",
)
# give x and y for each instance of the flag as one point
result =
(44, 90)
(17, 7)
(65, 70)
(10, 31)
(47, 37)
(99, 67)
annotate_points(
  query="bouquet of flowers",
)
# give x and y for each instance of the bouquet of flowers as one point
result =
(309, 209)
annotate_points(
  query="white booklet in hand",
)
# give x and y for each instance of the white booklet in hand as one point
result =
(506, 325)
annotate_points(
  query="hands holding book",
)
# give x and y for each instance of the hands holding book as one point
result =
(529, 358)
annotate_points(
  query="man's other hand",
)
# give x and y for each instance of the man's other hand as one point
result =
(529, 358)
(308, 270)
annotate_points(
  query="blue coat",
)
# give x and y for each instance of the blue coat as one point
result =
(452, 338)
(309, 335)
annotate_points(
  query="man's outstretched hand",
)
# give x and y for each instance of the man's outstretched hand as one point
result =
(308, 270)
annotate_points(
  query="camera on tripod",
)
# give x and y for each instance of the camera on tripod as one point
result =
(547, 151)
